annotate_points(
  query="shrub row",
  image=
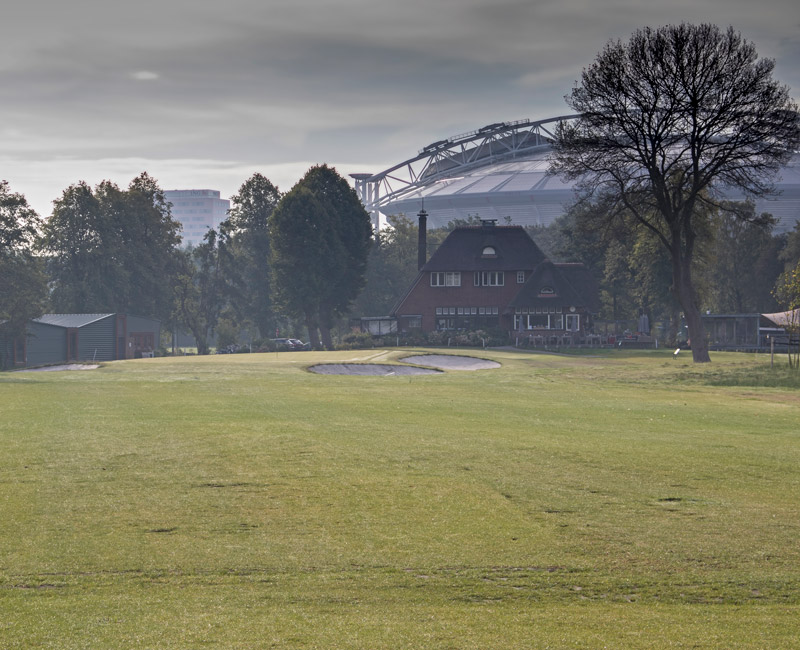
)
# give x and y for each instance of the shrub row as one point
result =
(473, 339)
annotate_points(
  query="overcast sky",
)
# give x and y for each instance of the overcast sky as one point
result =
(203, 93)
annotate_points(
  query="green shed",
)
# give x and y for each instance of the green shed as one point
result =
(68, 338)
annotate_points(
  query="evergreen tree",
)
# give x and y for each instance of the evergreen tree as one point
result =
(351, 230)
(320, 237)
(304, 257)
(248, 228)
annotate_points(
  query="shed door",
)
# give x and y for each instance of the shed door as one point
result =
(72, 344)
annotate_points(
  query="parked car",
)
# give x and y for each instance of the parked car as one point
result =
(290, 344)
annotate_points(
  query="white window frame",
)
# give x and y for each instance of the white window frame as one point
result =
(489, 278)
(520, 277)
(445, 278)
(577, 319)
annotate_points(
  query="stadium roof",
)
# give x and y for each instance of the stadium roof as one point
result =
(500, 172)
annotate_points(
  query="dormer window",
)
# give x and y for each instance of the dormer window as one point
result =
(547, 292)
(489, 251)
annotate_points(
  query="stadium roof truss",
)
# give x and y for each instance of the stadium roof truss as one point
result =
(444, 159)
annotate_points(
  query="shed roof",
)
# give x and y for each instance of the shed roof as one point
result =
(70, 320)
(784, 318)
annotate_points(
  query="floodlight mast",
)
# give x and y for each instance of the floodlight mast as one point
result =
(445, 158)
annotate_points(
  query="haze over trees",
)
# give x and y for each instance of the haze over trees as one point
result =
(23, 285)
(666, 119)
(112, 250)
(201, 291)
(247, 228)
(743, 262)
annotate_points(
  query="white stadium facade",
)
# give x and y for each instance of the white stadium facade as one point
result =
(500, 172)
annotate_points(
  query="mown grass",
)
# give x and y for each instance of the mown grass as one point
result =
(239, 501)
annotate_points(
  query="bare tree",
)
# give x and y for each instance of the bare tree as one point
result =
(665, 121)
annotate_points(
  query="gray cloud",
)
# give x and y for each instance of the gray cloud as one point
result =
(249, 83)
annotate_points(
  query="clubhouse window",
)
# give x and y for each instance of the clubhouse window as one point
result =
(466, 318)
(489, 278)
(446, 279)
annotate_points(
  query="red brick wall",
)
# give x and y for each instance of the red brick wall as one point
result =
(424, 299)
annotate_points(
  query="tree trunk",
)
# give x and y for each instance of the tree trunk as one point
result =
(684, 292)
(202, 344)
(697, 334)
(325, 333)
(313, 334)
(674, 324)
(325, 324)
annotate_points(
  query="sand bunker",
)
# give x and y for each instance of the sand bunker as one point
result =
(451, 362)
(371, 369)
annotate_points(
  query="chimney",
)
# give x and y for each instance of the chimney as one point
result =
(422, 239)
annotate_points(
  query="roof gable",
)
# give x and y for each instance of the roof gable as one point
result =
(465, 249)
(562, 284)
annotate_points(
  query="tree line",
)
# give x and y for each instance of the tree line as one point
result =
(276, 263)
(305, 260)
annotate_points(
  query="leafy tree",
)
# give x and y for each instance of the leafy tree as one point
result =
(790, 255)
(787, 293)
(73, 241)
(23, 286)
(550, 239)
(302, 252)
(744, 262)
(200, 287)
(320, 237)
(631, 266)
(248, 228)
(351, 227)
(664, 120)
(112, 249)
(651, 281)
(19, 223)
(617, 282)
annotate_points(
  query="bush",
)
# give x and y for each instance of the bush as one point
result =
(475, 339)
(227, 333)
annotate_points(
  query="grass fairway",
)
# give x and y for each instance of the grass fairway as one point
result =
(239, 501)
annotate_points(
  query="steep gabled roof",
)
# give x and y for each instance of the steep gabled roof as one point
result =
(562, 284)
(582, 280)
(463, 250)
(70, 320)
(402, 298)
